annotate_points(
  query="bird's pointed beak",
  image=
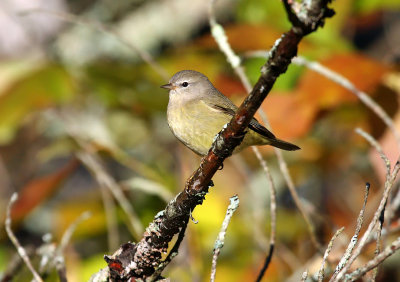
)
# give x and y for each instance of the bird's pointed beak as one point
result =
(168, 86)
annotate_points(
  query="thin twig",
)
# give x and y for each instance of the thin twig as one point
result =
(286, 254)
(344, 82)
(96, 167)
(394, 228)
(148, 186)
(266, 263)
(304, 276)
(359, 272)
(92, 162)
(376, 145)
(14, 265)
(59, 257)
(272, 190)
(256, 203)
(235, 62)
(111, 221)
(61, 270)
(354, 239)
(390, 179)
(21, 251)
(52, 256)
(393, 207)
(47, 254)
(105, 30)
(289, 182)
(321, 272)
(387, 165)
(220, 37)
(220, 241)
(71, 229)
(378, 241)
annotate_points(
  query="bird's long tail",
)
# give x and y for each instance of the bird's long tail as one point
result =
(283, 145)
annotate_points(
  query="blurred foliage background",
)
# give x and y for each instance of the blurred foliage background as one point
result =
(70, 86)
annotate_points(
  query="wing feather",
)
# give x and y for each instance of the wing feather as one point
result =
(254, 124)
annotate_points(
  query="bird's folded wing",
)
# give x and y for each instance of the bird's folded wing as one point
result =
(254, 124)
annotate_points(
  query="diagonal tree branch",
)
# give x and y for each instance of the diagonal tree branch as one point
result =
(140, 260)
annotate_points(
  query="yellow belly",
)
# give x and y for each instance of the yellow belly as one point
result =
(196, 126)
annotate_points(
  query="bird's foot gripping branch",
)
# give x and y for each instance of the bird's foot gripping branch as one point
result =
(143, 260)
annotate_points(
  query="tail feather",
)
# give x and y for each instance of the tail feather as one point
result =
(283, 145)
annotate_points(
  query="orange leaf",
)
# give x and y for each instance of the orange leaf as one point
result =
(39, 190)
(363, 72)
(289, 116)
(245, 37)
(228, 85)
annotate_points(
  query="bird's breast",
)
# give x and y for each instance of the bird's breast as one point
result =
(195, 124)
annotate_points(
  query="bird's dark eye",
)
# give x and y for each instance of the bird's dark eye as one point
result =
(185, 84)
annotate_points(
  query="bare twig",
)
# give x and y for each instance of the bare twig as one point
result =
(256, 203)
(287, 255)
(111, 221)
(344, 82)
(71, 229)
(289, 181)
(386, 119)
(388, 186)
(343, 261)
(220, 37)
(304, 276)
(389, 250)
(378, 241)
(61, 271)
(387, 165)
(15, 264)
(394, 228)
(47, 253)
(272, 211)
(235, 62)
(321, 273)
(105, 30)
(266, 263)
(376, 145)
(348, 257)
(220, 241)
(52, 256)
(393, 207)
(148, 186)
(104, 179)
(21, 251)
(59, 257)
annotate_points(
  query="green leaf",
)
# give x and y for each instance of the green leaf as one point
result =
(48, 86)
(368, 6)
(269, 12)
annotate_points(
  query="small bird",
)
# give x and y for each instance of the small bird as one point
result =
(197, 111)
